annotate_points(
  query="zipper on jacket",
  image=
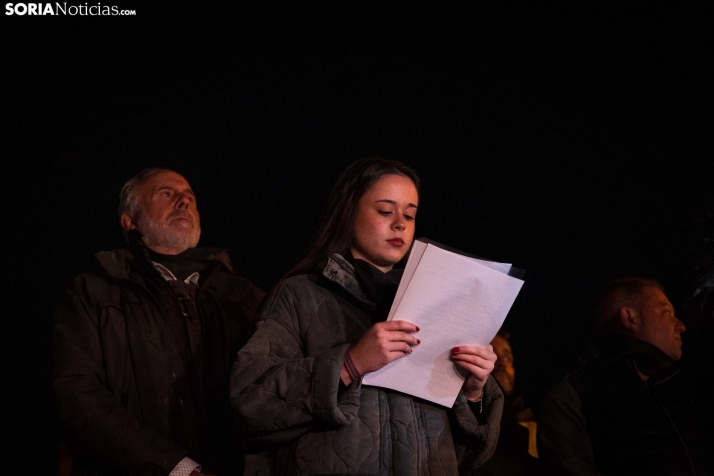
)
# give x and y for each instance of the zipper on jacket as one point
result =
(173, 352)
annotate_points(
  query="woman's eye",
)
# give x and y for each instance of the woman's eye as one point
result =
(408, 217)
(383, 212)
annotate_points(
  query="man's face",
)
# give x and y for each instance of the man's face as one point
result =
(167, 217)
(659, 326)
(503, 370)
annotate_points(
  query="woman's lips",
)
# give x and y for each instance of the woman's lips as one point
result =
(396, 241)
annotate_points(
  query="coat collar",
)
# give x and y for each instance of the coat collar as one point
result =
(341, 272)
(611, 347)
(118, 263)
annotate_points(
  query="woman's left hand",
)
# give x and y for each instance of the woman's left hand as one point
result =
(479, 362)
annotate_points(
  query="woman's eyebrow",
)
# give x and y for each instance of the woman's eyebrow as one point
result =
(392, 202)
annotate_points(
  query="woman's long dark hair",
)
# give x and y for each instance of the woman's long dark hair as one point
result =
(336, 226)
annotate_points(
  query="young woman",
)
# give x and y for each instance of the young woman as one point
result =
(296, 385)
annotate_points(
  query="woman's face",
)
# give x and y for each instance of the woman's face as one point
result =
(384, 226)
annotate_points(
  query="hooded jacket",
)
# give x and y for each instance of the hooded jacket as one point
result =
(124, 397)
(288, 398)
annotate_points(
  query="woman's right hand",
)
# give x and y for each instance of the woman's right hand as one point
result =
(384, 342)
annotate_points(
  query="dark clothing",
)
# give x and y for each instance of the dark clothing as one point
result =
(132, 397)
(511, 457)
(604, 419)
(287, 395)
(193, 260)
(378, 287)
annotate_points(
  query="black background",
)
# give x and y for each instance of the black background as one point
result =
(574, 143)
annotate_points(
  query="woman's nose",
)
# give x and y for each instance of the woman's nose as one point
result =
(399, 223)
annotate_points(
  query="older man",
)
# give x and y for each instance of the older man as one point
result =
(629, 409)
(143, 345)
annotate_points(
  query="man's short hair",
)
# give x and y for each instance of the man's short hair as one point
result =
(128, 199)
(620, 292)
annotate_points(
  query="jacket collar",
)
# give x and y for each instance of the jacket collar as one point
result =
(341, 272)
(118, 263)
(611, 347)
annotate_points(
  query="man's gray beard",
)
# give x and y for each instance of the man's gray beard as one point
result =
(154, 235)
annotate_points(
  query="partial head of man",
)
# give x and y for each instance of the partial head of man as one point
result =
(160, 204)
(638, 306)
(504, 371)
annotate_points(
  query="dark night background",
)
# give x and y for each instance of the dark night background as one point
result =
(573, 143)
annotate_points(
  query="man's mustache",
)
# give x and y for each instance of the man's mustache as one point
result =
(180, 214)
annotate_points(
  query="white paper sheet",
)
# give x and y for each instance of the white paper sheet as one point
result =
(455, 300)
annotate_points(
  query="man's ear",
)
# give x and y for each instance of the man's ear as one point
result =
(629, 319)
(127, 222)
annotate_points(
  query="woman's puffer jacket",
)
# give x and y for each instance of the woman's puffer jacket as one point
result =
(287, 397)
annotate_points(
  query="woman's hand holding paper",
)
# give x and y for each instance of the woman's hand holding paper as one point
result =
(479, 362)
(383, 343)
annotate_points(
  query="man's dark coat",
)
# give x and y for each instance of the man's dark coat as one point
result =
(126, 401)
(604, 419)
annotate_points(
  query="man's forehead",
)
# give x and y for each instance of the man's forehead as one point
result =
(664, 302)
(657, 297)
(167, 179)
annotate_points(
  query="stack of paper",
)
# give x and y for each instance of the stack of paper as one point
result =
(455, 300)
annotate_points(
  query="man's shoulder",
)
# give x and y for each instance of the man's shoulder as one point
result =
(108, 271)
(219, 255)
(561, 400)
(114, 263)
(562, 389)
(230, 282)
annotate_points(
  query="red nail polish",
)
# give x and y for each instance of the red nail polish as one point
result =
(417, 328)
(418, 341)
(455, 350)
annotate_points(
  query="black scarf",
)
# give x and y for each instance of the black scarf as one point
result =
(184, 264)
(379, 287)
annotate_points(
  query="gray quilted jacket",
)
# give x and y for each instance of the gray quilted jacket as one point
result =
(286, 394)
